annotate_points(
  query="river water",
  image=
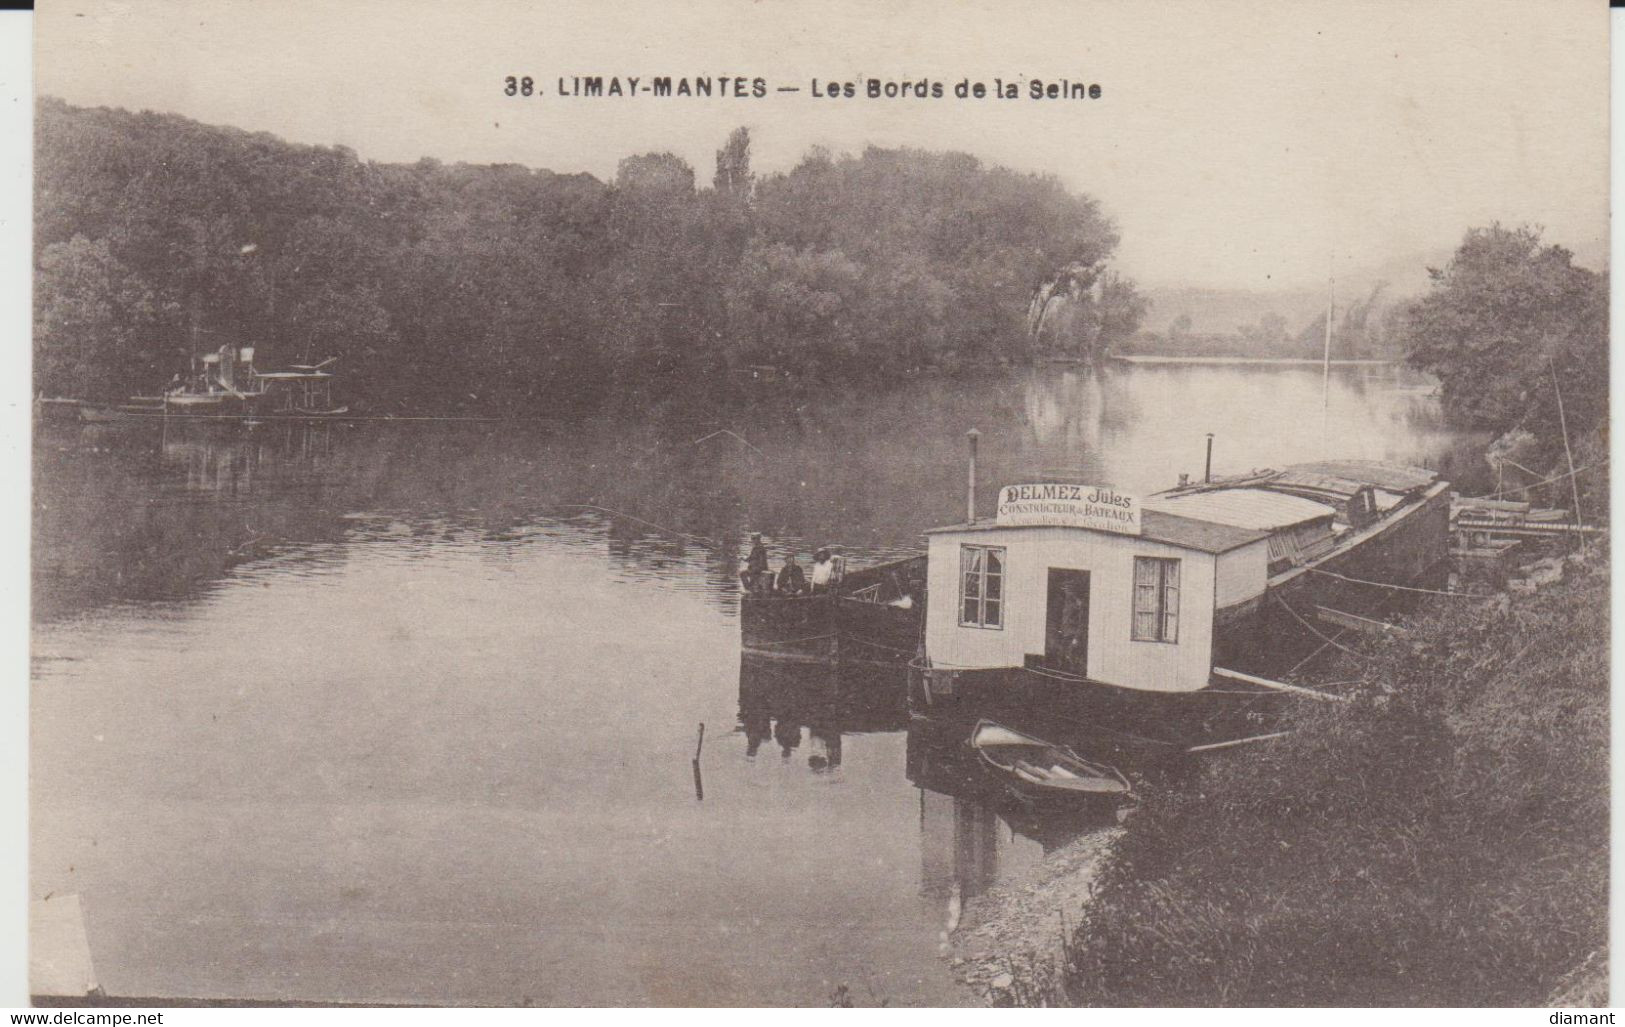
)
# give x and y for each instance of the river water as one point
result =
(405, 712)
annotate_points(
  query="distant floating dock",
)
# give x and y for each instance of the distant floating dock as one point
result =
(1130, 358)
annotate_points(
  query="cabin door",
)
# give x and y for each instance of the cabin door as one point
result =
(1066, 624)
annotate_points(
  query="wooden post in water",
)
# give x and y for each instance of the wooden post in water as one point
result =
(1207, 471)
(699, 785)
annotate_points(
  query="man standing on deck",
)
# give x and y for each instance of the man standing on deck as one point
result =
(757, 577)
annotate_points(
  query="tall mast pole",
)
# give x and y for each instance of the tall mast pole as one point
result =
(1326, 359)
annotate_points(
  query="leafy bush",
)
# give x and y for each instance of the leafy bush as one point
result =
(1441, 839)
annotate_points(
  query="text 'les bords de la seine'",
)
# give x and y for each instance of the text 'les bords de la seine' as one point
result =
(757, 87)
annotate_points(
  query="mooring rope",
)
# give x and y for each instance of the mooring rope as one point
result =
(1398, 588)
(1313, 631)
(1546, 481)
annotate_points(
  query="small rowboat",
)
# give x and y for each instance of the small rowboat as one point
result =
(1040, 769)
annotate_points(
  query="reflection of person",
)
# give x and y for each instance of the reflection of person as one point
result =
(788, 735)
(826, 750)
(757, 577)
(758, 727)
(792, 580)
(823, 571)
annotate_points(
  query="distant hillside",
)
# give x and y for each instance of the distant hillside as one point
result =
(1227, 311)
(1224, 311)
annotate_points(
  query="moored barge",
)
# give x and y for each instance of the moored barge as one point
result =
(1167, 620)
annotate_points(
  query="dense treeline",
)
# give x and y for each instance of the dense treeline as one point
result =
(516, 291)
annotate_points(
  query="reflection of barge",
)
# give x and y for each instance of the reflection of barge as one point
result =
(843, 700)
(1161, 619)
(869, 616)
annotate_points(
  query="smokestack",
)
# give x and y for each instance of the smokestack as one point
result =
(970, 481)
(1207, 472)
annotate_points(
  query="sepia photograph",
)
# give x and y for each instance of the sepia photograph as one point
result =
(819, 504)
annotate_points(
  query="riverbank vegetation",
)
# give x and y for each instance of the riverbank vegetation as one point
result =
(520, 292)
(1439, 839)
(1517, 335)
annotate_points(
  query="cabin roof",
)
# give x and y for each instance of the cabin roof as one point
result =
(1155, 526)
(1389, 476)
(1244, 508)
(1330, 480)
(287, 376)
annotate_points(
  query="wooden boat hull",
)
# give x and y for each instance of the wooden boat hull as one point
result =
(1300, 607)
(224, 405)
(837, 627)
(1125, 726)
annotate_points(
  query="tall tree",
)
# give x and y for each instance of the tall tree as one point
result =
(1508, 325)
(733, 177)
(93, 319)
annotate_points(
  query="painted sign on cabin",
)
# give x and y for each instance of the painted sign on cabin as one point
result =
(1069, 506)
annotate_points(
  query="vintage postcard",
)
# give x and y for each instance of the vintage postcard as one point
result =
(802, 504)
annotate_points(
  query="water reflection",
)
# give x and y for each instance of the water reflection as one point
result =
(478, 785)
(783, 702)
(144, 510)
(972, 828)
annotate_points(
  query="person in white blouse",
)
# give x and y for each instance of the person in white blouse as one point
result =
(823, 571)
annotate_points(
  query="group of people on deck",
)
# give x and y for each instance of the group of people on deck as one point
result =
(790, 580)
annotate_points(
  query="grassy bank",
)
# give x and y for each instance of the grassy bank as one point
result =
(1441, 839)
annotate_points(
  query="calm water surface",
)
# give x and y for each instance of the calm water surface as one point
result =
(400, 713)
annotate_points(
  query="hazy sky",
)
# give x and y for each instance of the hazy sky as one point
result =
(1237, 143)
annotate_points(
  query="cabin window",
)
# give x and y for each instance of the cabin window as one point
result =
(1156, 599)
(981, 586)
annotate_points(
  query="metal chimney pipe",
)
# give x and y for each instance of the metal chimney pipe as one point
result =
(970, 481)
(1207, 472)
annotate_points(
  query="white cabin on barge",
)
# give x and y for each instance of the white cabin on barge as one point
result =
(1108, 591)
(1087, 583)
